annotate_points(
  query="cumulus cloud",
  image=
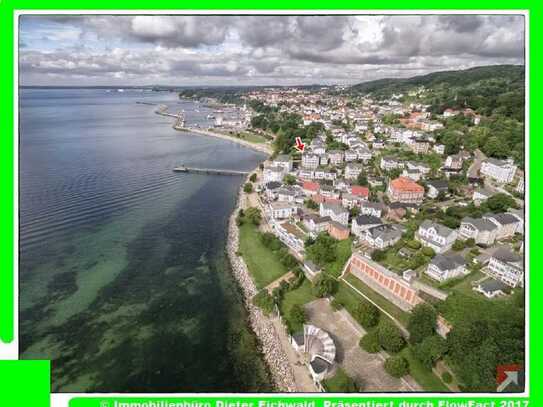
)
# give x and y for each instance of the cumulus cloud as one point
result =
(260, 49)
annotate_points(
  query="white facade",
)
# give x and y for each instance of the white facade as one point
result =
(310, 161)
(500, 171)
(438, 237)
(335, 212)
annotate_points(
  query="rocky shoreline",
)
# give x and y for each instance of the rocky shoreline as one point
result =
(261, 325)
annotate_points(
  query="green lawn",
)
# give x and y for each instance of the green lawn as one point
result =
(426, 378)
(343, 251)
(253, 138)
(300, 296)
(346, 296)
(263, 264)
(381, 301)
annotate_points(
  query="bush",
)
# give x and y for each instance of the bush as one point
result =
(337, 305)
(430, 350)
(253, 215)
(370, 342)
(252, 178)
(288, 260)
(390, 337)
(264, 301)
(325, 286)
(413, 244)
(428, 252)
(446, 377)
(367, 314)
(248, 188)
(397, 366)
(458, 245)
(422, 322)
(378, 255)
(297, 314)
(470, 242)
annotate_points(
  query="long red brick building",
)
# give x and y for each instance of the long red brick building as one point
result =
(383, 281)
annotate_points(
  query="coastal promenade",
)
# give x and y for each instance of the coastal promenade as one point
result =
(263, 326)
(265, 148)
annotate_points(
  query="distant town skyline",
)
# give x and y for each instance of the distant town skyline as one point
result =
(100, 50)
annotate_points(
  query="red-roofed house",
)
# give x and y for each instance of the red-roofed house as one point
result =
(403, 189)
(358, 190)
(311, 188)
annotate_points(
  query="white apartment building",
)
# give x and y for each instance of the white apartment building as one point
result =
(336, 212)
(310, 161)
(500, 171)
(438, 237)
(507, 267)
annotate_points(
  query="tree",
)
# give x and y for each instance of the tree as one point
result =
(323, 251)
(248, 188)
(422, 322)
(289, 179)
(430, 350)
(367, 314)
(378, 255)
(310, 204)
(397, 366)
(324, 286)
(413, 244)
(288, 260)
(470, 242)
(362, 179)
(252, 178)
(458, 245)
(390, 337)
(253, 215)
(500, 202)
(370, 342)
(297, 314)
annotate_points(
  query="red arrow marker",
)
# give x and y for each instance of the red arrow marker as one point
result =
(299, 145)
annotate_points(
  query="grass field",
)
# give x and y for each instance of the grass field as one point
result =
(392, 309)
(253, 138)
(300, 296)
(426, 378)
(263, 264)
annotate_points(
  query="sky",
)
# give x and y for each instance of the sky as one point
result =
(172, 50)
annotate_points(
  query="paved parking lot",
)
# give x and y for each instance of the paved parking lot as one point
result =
(365, 368)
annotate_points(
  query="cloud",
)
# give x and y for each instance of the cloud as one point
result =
(260, 49)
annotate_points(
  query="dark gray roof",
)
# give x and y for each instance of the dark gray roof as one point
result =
(298, 338)
(504, 254)
(490, 285)
(481, 224)
(319, 365)
(503, 218)
(368, 220)
(441, 229)
(273, 185)
(448, 262)
(439, 184)
(385, 232)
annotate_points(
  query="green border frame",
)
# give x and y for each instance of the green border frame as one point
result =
(21, 380)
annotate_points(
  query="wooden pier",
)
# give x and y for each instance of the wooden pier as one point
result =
(211, 171)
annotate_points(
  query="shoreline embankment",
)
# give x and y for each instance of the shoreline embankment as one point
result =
(262, 326)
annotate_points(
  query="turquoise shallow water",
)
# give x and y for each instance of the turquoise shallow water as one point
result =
(123, 278)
